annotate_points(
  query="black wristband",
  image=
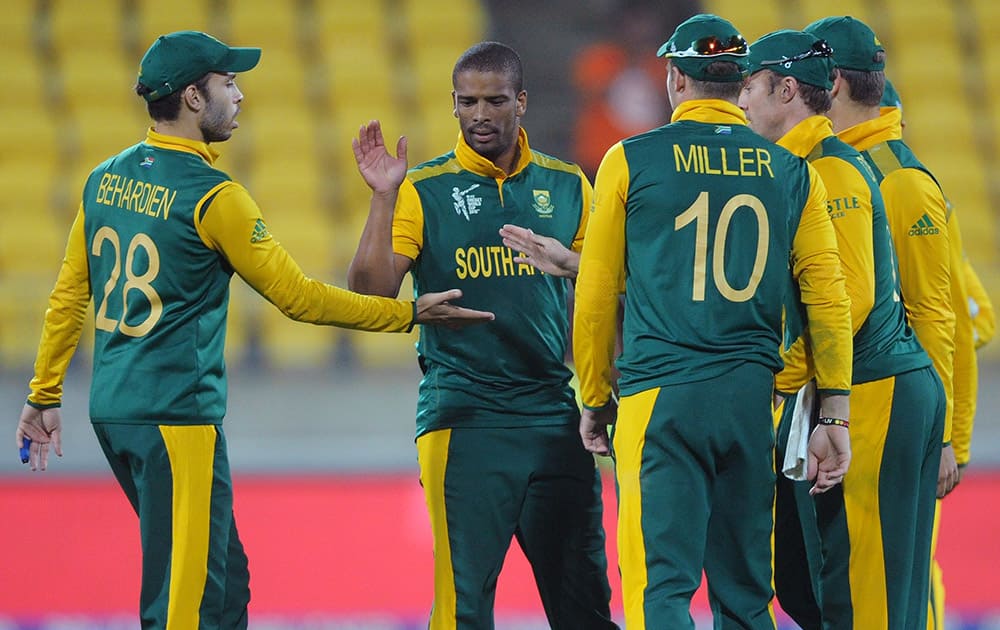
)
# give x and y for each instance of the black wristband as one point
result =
(837, 422)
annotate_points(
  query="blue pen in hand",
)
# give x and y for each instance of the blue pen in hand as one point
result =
(26, 450)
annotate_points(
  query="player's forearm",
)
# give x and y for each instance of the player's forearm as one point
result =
(64, 319)
(372, 270)
(835, 406)
(816, 267)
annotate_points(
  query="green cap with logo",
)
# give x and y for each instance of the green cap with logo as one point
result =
(855, 45)
(176, 60)
(890, 97)
(701, 40)
(794, 54)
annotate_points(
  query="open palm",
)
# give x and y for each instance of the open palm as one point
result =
(381, 171)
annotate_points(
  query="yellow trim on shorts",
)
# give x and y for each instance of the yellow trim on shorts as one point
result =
(432, 455)
(191, 451)
(630, 438)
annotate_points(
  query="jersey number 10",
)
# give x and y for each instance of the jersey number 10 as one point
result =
(698, 212)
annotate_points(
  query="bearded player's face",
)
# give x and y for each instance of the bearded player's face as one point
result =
(222, 104)
(489, 111)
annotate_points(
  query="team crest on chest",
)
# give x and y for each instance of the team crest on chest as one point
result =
(543, 203)
(466, 204)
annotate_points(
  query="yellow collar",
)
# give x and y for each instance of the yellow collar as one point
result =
(803, 137)
(863, 136)
(711, 110)
(472, 161)
(175, 143)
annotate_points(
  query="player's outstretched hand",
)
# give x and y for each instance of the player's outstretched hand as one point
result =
(541, 252)
(434, 309)
(829, 457)
(594, 429)
(381, 171)
(44, 428)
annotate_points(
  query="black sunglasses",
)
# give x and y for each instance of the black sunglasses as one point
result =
(712, 45)
(818, 49)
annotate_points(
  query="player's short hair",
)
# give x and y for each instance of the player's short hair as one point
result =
(725, 90)
(168, 108)
(817, 99)
(491, 57)
(866, 87)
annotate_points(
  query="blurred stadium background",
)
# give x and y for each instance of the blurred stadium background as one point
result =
(320, 420)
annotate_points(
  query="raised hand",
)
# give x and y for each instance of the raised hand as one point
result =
(381, 171)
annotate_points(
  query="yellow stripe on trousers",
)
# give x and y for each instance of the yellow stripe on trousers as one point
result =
(871, 406)
(432, 455)
(630, 439)
(935, 609)
(191, 450)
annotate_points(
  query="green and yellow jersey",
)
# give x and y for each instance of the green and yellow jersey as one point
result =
(156, 239)
(708, 226)
(447, 220)
(919, 219)
(884, 344)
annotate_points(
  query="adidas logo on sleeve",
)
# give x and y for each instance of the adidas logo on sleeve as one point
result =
(923, 227)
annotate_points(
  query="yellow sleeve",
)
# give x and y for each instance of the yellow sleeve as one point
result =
(602, 270)
(918, 221)
(799, 367)
(966, 369)
(849, 206)
(980, 307)
(228, 226)
(816, 267)
(63, 320)
(408, 222)
(588, 201)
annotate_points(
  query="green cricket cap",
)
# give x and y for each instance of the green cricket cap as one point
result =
(794, 54)
(176, 60)
(703, 39)
(855, 45)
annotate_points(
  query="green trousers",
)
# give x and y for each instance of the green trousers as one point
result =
(538, 485)
(695, 473)
(194, 569)
(867, 557)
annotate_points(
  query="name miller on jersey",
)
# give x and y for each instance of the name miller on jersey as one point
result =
(486, 261)
(137, 196)
(747, 161)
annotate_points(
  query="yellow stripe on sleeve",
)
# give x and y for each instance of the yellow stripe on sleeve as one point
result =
(191, 450)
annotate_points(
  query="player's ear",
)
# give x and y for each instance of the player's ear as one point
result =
(522, 103)
(454, 104)
(192, 98)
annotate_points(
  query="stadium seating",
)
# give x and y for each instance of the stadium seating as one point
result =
(330, 65)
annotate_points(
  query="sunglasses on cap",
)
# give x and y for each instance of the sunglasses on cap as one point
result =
(818, 49)
(711, 46)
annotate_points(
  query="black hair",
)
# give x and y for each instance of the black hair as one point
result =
(492, 57)
(168, 108)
